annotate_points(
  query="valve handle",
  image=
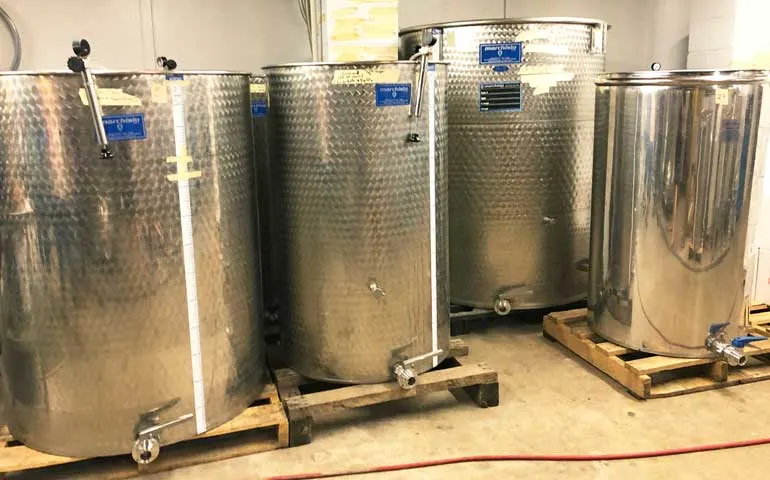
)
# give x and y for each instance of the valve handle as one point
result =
(740, 342)
(81, 48)
(717, 327)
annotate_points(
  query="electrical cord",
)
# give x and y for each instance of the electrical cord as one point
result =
(14, 37)
(530, 458)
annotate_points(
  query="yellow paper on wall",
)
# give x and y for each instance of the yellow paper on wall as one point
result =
(360, 30)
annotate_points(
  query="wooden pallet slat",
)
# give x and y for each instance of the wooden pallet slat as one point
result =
(478, 381)
(653, 376)
(259, 428)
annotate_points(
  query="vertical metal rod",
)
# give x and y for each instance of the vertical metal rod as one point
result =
(96, 109)
(422, 74)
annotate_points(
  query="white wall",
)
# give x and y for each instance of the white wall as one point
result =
(128, 34)
(247, 34)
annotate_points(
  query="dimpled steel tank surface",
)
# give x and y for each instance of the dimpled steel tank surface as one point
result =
(673, 165)
(363, 216)
(95, 329)
(521, 104)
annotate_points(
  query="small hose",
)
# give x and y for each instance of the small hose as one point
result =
(14, 36)
(530, 458)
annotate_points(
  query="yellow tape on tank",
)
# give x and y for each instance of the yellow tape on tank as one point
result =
(112, 97)
(182, 173)
(363, 77)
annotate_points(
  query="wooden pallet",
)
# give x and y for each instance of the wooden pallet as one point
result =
(261, 427)
(306, 399)
(759, 320)
(647, 375)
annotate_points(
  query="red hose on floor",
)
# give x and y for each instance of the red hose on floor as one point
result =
(530, 458)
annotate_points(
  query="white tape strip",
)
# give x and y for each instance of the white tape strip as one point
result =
(432, 175)
(191, 284)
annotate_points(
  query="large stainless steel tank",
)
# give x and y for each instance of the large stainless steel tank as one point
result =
(674, 154)
(96, 302)
(258, 90)
(363, 224)
(521, 104)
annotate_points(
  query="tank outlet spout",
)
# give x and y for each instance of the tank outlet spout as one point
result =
(147, 443)
(404, 373)
(405, 376)
(503, 306)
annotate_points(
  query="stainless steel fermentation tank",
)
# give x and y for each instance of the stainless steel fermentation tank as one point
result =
(362, 190)
(674, 154)
(95, 299)
(258, 91)
(521, 104)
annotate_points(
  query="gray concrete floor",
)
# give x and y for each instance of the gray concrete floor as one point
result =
(551, 402)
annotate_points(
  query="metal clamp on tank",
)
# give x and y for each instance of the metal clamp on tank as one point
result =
(147, 431)
(403, 372)
(730, 350)
(78, 65)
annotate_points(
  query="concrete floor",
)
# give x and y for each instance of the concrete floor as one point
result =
(551, 402)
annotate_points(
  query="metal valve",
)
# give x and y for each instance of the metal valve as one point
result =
(731, 351)
(77, 64)
(404, 373)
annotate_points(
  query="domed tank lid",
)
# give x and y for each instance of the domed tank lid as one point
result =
(683, 77)
(507, 21)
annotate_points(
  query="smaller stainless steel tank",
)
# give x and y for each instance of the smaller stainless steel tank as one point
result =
(361, 188)
(673, 159)
(258, 91)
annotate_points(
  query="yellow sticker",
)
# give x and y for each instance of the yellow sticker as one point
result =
(722, 96)
(159, 93)
(363, 77)
(258, 88)
(544, 77)
(112, 97)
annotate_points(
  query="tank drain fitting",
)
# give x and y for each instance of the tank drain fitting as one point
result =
(502, 306)
(504, 298)
(404, 373)
(147, 441)
(729, 350)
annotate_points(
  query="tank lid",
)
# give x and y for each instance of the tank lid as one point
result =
(352, 64)
(683, 77)
(507, 21)
(121, 72)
